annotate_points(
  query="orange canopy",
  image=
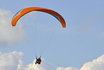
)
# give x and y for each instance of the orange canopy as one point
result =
(22, 12)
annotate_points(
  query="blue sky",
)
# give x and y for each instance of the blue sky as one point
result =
(79, 43)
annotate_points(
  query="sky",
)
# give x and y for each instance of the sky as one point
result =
(77, 47)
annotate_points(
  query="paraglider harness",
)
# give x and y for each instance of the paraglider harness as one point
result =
(38, 60)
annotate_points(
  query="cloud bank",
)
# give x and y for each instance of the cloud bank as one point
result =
(8, 34)
(96, 64)
(10, 61)
(13, 61)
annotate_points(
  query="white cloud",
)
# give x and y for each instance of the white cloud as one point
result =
(7, 32)
(42, 66)
(13, 61)
(10, 61)
(67, 68)
(96, 64)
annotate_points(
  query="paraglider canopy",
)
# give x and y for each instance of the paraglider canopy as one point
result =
(22, 12)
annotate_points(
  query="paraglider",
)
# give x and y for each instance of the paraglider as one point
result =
(23, 12)
(38, 60)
